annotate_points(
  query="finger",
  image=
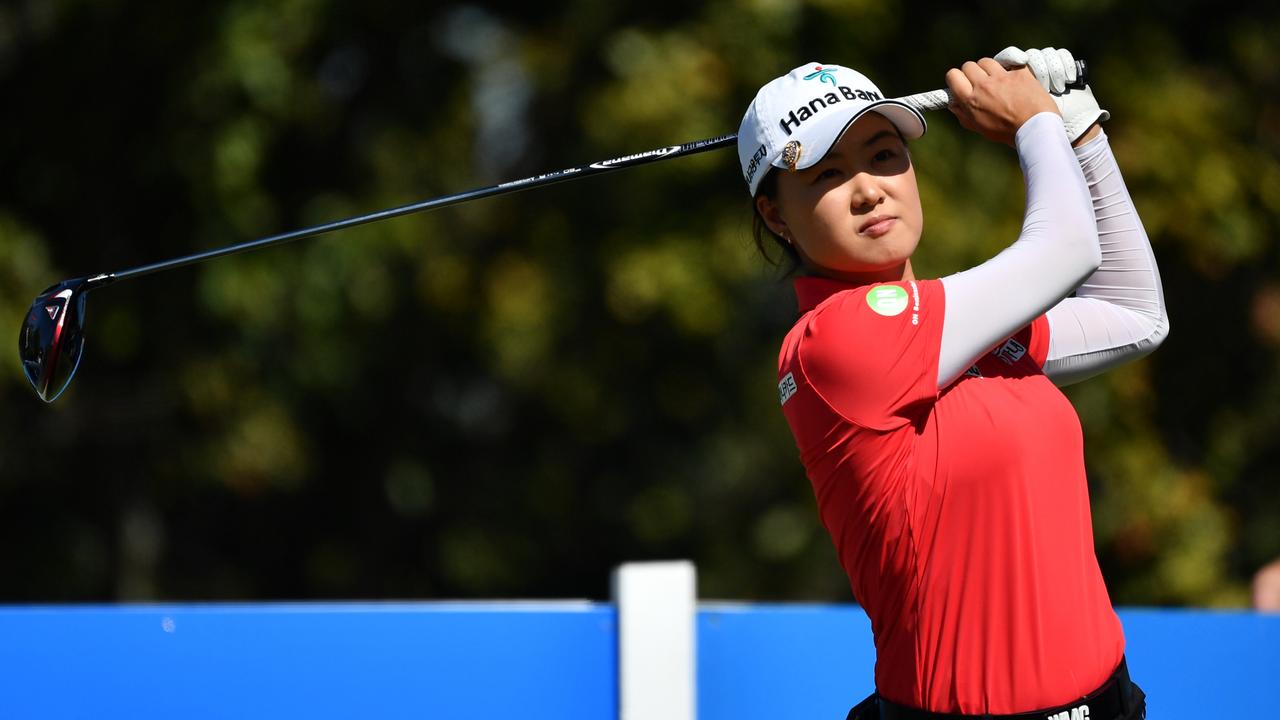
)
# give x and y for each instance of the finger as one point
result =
(959, 84)
(1057, 73)
(1039, 68)
(991, 66)
(974, 72)
(963, 115)
(1011, 57)
(1069, 61)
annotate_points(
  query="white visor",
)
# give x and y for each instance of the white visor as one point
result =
(795, 119)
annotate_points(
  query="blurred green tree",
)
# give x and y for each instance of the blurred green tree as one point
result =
(511, 396)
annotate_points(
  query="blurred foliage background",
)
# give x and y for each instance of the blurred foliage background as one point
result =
(510, 397)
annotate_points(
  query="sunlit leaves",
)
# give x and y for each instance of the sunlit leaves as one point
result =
(670, 275)
(668, 86)
(513, 395)
(521, 302)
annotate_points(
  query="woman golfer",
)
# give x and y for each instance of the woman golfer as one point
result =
(947, 466)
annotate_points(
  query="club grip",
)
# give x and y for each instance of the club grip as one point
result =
(1082, 76)
(940, 99)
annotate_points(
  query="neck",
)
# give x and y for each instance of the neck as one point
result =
(897, 273)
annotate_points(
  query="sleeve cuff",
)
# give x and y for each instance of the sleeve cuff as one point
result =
(1094, 146)
(1039, 126)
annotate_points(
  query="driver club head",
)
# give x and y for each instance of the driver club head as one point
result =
(52, 338)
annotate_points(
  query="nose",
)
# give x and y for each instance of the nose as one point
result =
(866, 191)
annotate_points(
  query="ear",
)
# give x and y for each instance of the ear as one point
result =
(772, 215)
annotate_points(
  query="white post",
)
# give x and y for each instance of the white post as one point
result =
(656, 651)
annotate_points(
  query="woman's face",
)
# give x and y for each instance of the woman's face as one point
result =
(855, 215)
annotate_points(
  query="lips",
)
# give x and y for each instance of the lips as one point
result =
(877, 225)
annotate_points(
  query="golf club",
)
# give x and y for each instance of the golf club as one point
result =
(52, 337)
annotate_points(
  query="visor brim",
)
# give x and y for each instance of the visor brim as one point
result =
(819, 141)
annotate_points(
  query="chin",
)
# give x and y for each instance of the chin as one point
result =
(887, 254)
(879, 265)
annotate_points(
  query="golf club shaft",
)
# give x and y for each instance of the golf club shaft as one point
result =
(934, 100)
(484, 192)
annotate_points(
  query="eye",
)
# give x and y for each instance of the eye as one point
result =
(885, 155)
(828, 174)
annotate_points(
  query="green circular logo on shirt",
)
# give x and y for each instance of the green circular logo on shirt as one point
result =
(887, 300)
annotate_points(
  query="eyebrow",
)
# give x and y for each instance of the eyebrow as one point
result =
(835, 154)
(872, 140)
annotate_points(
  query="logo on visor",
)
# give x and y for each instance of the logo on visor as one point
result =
(754, 165)
(823, 75)
(796, 118)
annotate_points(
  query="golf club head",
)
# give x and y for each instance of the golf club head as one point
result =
(52, 338)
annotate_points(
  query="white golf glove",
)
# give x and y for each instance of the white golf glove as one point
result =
(1055, 69)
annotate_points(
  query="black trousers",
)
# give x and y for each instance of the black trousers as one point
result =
(1120, 696)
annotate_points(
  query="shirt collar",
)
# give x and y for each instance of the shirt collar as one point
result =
(811, 291)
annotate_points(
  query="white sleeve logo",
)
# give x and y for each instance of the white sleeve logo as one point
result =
(786, 388)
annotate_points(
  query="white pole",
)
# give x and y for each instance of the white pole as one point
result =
(656, 650)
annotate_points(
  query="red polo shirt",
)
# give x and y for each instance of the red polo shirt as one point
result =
(961, 516)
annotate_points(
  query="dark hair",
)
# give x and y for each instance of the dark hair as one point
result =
(767, 241)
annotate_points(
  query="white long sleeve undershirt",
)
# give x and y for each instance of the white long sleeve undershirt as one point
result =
(1118, 314)
(1056, 250)
(1074, 198)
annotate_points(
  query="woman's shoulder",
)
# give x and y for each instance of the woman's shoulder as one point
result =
(878, 306)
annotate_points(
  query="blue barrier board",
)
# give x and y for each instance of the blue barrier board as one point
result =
(817, 661)
(431, 660)
(528, 660)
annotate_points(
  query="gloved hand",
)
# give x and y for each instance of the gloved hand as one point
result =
(1055, 68)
